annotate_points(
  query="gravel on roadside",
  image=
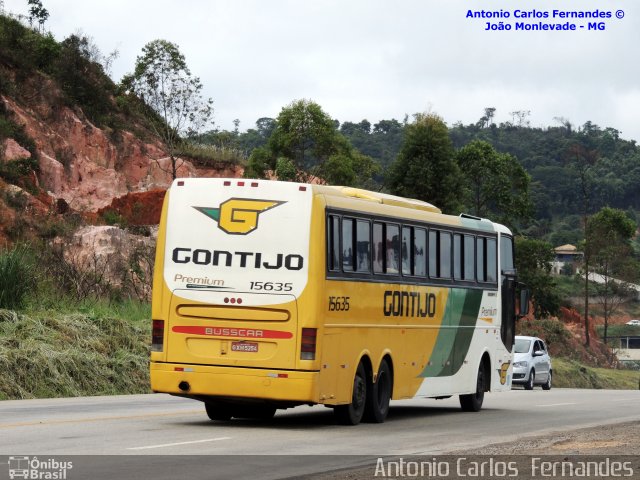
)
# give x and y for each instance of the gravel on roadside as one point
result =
(621, 439)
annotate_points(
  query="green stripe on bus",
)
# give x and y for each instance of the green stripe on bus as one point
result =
(456, 331)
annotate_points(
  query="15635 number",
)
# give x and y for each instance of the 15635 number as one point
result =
(339, 304)
(271, 286)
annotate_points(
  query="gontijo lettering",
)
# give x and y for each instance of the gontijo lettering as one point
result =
(201, 256)
(409, 304)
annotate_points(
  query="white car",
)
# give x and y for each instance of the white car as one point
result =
(633, 322)
(531, 363)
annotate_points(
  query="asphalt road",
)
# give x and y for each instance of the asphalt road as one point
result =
(145, 431)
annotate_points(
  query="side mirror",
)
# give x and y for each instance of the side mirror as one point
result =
(525, 296)
(538, 353)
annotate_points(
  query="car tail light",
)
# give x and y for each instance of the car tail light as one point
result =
(157, 335)
(308, 344)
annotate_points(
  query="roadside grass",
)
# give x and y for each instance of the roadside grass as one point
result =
(47, 354)
(571, 374)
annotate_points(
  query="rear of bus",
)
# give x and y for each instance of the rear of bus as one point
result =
(232, 267)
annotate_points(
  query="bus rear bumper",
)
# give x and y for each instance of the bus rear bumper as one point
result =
(218, 381)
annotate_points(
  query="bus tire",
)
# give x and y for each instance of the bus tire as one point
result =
(218, 411)
(472, 402)
(256, 412)
(352, 413)
(379, 395)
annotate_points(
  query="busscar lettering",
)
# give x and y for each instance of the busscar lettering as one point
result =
(233, 332)
(225, 258)
(398, 303)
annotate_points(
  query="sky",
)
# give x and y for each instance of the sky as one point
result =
(380, 59)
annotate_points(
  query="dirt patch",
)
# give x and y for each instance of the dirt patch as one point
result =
(616, 439)
(137, 208)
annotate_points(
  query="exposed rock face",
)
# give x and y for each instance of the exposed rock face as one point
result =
(89, 167)
(13, 151)
(137, 208)
(82, 164)
(116, 257)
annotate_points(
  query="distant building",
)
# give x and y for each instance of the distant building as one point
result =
(568, 260)
(627, 347)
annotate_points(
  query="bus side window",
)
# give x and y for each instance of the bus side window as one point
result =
(445, 255)
(469, 258)
(433, 254)
(347, 245)
(419, 252)
(393, 248)
(506, 254)
(334, 243)
(378, 248)
(457, 256)
(363, 246)
(407, 257)
(480, 265)
(492, 261)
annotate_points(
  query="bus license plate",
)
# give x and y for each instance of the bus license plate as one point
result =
(244, 347)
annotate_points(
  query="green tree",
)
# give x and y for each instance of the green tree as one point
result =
(609, 234)
(425, 167)
(37, 13)
(309, 139)
(497, 185)
(305, 134)
(259, 163)
(165, 84)
(582, 161)
(533, 264)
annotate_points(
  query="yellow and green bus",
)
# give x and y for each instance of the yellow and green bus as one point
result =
(270, 295)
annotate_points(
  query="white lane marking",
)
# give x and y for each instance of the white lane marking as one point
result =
(556, 404)
(630, 399)
(180, 443)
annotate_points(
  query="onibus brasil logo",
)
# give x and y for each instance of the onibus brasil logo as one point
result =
(239, 216)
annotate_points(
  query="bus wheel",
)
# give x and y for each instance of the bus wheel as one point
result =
(218, 410)
(258, 412)
(352, 413)
(473, 401)
(379, 395)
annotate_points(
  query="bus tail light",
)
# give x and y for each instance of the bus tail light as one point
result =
(308, 344)
(157, 335)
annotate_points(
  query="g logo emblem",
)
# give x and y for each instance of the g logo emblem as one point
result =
(503, 372)
(239, 216)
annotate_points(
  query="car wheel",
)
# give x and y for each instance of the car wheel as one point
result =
(532, 378)
(547, 385)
